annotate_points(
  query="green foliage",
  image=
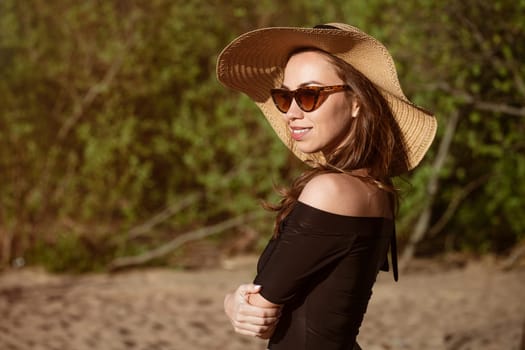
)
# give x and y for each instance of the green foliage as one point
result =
(68, 253)
(110, 112)
(460, 62)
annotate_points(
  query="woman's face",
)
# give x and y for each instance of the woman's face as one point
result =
(326, 127)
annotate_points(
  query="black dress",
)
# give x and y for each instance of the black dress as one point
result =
(322, 267)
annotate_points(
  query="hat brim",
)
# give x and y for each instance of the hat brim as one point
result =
(254, 64)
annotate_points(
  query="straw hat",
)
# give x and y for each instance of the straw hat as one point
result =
(254, 63)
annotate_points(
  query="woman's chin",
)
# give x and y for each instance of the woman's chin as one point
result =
(307, 150)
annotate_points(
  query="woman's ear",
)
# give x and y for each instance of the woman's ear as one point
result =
(355, 107)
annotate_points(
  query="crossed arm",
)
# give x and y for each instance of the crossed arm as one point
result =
(250, 313)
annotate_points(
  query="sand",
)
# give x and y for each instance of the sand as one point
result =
(477, 306)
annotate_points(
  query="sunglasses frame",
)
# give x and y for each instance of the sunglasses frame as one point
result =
(296, 95)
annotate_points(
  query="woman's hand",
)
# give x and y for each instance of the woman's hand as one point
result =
(247, 319)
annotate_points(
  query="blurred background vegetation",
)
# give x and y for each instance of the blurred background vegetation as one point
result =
(116, 140)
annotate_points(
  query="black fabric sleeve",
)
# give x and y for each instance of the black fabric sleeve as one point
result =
(309, 240)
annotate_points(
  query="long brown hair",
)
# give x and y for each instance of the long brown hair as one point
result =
(373, 142)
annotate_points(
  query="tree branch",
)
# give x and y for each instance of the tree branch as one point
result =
(483, 105)
(79, 108)
(169, 247)
(491, 56)
(422, 224)
(177, 207)
(454, 204)
(6, 246)
(91, 94)
(512, 261)
(496, 107)
(98, 88)
(162, 216)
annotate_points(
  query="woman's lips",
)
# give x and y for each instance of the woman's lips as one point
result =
(299, 133)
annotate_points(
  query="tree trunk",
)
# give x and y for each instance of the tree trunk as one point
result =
(423, 221)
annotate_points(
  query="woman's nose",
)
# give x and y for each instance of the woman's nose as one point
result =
(294, 112)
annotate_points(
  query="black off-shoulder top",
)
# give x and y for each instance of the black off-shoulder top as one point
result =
(322, 267)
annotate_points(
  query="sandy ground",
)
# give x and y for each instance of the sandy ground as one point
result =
(474, 307)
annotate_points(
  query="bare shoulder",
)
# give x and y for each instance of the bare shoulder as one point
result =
(345, 195)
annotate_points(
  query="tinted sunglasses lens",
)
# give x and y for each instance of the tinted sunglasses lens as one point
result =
(282, 99)
(306, 99)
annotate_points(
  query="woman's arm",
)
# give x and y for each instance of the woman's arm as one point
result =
(249, 313)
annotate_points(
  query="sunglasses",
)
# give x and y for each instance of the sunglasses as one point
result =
(307, 98)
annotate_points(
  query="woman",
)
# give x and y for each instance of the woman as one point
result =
(332, 95)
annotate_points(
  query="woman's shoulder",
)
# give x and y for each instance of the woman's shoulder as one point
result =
(345, 194)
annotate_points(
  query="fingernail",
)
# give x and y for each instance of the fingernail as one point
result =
(257, 286)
